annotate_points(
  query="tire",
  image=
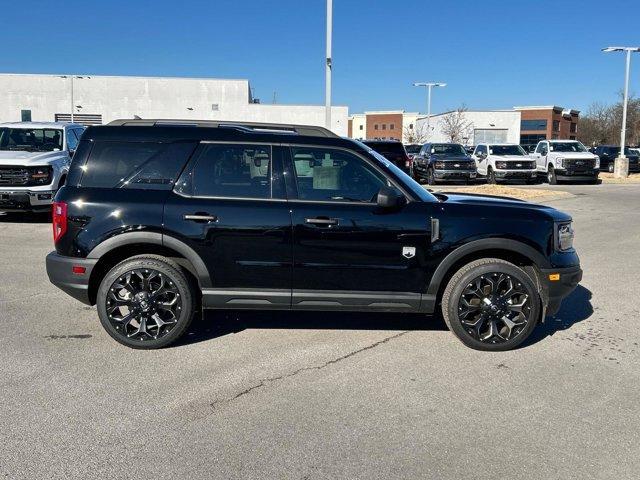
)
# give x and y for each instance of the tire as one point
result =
(431, 178)
(551, 176)
(166, 314)
(611, 167)
(479, 324)
(491, 176)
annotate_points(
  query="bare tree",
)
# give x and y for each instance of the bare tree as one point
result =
(456, 126)
(417, 134)
(602, 123)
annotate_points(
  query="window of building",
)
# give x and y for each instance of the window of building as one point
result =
(572, 137)
(25, 115)
(487, 135)
(573, 128)
(533, 125)
(335, 175)
(375, 127)
(360, 127)
(137, 165)
(384, 126)
(391, 126)
(411, 126)
(556, 125)
(232, 171)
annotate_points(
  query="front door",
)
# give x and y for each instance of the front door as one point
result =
(347, 251)
(229, 206)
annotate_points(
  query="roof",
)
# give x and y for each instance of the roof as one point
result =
(59, 125)
(565, 111)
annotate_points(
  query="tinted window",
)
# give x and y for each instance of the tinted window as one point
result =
(234, 171)
(72, 141)
(138, 165)
(335, 175)
(533, 125)
(412, 148)
(448, 149)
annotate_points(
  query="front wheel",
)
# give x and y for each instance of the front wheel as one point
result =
(491, 176)
(491, 304)
(145, 302)
(431, 178)
(611, 167)
(551, 176)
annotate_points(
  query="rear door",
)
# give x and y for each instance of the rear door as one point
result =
(347, 251)
(230, 207)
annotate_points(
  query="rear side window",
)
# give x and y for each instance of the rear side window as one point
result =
(233, 171)
(135, 165)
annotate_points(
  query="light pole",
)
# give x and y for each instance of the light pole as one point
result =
(71, 77)
(621, 165)
(327, 94)
(429, 86)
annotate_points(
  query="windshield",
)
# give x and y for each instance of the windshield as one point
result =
(407, 181)
(616, 150)
(412, 148)
(506, 150)
(567, 147)
(30, 139)
(394, 148)
(448, 149)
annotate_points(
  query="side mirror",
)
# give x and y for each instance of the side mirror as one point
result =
(389, 198)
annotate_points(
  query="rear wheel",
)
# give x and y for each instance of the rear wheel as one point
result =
(611, 167)
(145, 302)
(491, 304)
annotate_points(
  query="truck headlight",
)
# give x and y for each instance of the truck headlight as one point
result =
(439, 165)
(564, 236)
(597, 162)
(40, 175)
(501, 165)
(559, 162)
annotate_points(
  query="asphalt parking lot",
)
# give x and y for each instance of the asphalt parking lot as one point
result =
(280, 395)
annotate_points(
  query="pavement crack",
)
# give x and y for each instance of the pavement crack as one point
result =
(266, 381)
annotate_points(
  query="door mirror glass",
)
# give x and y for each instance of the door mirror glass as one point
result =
(389, 198)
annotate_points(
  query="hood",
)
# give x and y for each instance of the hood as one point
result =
(576, 155)
(443, 157)
(493, 202)
(512, 158)
(13, 157)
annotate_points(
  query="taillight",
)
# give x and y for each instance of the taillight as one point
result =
(59, 216)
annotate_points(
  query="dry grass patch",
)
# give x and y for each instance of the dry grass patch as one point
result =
(529, 194)
(607, 177)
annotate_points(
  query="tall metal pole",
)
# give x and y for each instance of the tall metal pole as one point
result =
(624, 104)
(429, 109)
(71, 77)
(327, 95)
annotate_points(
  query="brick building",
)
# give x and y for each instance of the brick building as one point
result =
(546, 123)
(386, 125)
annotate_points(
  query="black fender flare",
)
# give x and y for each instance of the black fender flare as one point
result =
(479, 245)
(155, 238)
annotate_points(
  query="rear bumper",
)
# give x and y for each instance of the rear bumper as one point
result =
(59, 270)
(555, 291)
(25, 200)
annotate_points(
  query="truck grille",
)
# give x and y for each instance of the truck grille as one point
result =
(523, 165)
(580, 163)
(14, 176)
(460, 165)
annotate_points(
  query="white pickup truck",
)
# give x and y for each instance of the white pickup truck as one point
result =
(503, 162)
(34, 162)
(565, 160)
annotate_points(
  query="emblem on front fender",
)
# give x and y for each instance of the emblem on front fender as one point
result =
(408, 252)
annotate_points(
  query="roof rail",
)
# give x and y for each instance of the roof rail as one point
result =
(254, 127)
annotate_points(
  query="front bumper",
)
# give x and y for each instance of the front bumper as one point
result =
(516, 174)
(569, 174)
(25, 200)
(60, 272)
(454, 174)
(554, 291)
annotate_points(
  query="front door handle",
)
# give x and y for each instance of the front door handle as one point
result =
(200, 217)
(323, 221)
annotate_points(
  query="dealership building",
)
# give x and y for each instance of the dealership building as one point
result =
(101, 99)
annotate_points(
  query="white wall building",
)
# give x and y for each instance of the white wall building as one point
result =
(100, 99)
(484, 126)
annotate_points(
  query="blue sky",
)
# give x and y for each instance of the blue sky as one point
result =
(492, 54)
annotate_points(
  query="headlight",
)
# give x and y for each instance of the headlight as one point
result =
(501, 165)
(597, 162)
(559, 162)
(40, 175)
(564, 236)
(439, 165)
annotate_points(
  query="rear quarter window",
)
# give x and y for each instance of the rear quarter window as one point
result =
(135, 165)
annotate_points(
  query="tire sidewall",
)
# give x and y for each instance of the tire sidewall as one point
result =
(169, 270)
(451, 309)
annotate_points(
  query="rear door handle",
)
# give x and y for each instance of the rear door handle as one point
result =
(322, 221)
(200, 217)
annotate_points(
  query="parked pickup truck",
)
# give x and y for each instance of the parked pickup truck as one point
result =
(504, 162)
(565, 160)
(34, 161)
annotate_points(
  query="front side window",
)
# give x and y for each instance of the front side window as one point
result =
(31, 139)
(72, 141)
(335, 175)
(233, 171)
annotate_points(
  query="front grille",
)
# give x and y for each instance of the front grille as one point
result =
(580, 163)
(14, 176)
(516, 165)
(460, 165)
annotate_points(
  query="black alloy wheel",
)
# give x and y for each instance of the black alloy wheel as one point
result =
(611, 167)
(491, 176)
(491, 304)
(145, 302)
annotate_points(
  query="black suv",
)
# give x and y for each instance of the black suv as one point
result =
(444, 161)
(158, 219)
(608, 155)
(392, 150)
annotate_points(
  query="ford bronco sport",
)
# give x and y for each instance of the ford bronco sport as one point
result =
(158, 219)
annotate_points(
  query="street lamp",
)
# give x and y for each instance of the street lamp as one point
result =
(71, 77)
(327, 96)
(621, 165)
(429, 86)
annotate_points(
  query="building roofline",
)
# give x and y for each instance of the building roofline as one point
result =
(58, 75)
(546, 107)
